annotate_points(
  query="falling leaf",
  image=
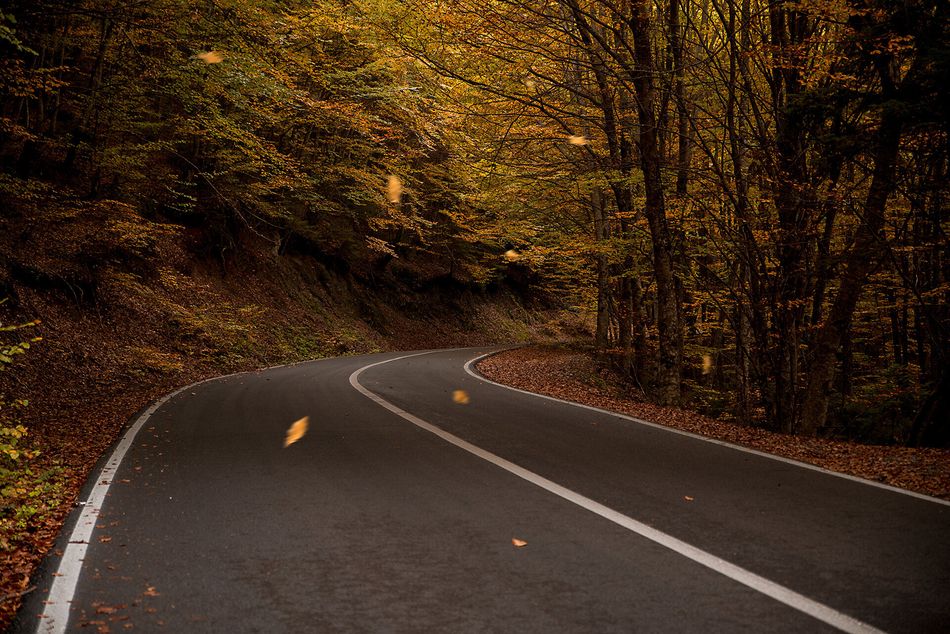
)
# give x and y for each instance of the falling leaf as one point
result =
(530, 83)
(707, 363)
(688, 498)
(211, 57)
(151, 592)
(460, 397)
(393, 189)
(577, 140)
(512, 256)
(518, 543)
(296, 431)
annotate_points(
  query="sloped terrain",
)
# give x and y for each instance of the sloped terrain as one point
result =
(131, 309)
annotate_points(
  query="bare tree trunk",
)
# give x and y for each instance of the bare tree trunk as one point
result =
(669, 328)
(863, 258)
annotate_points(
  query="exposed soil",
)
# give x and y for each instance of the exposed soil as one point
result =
(574, 376)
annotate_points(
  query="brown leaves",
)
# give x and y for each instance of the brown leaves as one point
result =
(297, 431)
(460, 397)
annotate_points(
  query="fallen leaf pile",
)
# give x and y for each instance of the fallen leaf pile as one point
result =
(573, 376)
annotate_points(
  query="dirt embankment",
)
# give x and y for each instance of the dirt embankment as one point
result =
(131, 312)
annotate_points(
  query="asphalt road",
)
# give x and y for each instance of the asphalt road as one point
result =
(397, 510)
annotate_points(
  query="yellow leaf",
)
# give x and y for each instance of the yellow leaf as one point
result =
(211, 57)
(707, 363)
(393, 189)
(460, 397)
(296, 431)
(577, 140)
(518, 543)
(512, 256)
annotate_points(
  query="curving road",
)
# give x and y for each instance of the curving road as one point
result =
(397, 510)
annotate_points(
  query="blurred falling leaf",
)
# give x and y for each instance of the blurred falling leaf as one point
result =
(296, 431)
(530, 83)
(518, 543)
(512, 256)
(393, 189)
(151, 592)
(211, 57)
(577, 140)
(460, 397)
(688, 498)
(707, 363)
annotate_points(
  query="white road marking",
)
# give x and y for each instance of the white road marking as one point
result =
(749, 579)
(55, 617)
(920, 496)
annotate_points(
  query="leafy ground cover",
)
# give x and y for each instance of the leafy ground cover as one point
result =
(574, 376)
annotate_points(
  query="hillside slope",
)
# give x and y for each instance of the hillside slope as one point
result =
(131, 309)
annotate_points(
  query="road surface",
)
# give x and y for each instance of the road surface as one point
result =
(397, 512)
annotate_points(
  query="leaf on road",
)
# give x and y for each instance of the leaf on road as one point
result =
(518, 543)
(296, 431)
(688, 498)
(460, 397)
(151, 592)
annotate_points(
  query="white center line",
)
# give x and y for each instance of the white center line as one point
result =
(749, 579)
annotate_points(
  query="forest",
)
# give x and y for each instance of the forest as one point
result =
(739, 207)
(747, 197)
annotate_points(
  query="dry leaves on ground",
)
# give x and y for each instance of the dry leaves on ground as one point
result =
(572, 376)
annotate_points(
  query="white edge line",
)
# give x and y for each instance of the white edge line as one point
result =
(756, 452)
(55, 616)
(745, 577)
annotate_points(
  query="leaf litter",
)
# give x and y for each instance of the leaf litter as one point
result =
(573, 376)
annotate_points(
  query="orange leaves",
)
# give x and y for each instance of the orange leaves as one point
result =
(297, 431)
(393, 189)
(460, 397)
(211, 57)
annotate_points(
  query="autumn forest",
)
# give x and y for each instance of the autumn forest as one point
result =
(738, 207)
(748, 197)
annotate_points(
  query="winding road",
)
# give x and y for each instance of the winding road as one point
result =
(397, 512)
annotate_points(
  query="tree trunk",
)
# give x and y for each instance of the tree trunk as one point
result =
(861, 260)
(668, 315)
